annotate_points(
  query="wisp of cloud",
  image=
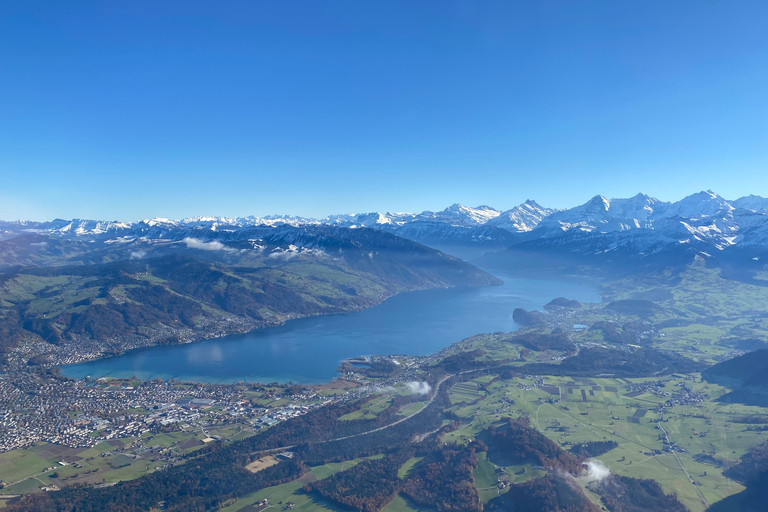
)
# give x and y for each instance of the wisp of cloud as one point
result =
(595, 471)
(194, 243)
(418, 388)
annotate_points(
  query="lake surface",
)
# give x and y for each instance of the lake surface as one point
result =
(309, 350)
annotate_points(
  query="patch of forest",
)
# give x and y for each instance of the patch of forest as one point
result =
(442, 480)
(368, 487)
(516, 442)
(624, 494)
(529, 318)
(562, 302)
(591, 449)
(621, 333)
(541, 341)
(550, 493)
(594, 361)
(558, 491)
(636, 307)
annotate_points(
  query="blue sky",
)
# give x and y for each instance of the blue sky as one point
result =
(133, 109)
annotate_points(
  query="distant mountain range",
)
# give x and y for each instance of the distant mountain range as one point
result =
(640, 226)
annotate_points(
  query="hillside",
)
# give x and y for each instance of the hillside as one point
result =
(746, 374)
(103, 297)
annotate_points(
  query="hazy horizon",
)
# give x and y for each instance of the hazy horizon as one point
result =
(389, 210)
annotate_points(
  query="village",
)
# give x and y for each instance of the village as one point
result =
(39, 405)
(36, 407)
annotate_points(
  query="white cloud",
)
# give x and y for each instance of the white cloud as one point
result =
(194, 243)
(282, 255)
(418, 388)
(137, 255)
(595, 471)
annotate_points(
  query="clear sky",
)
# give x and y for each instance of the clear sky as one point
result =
(134, 109)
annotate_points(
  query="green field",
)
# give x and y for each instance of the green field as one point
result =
(704, 428)
(400, 504)
(370, 410)
(406, 468)
(465, 392)
(293, 491)
(485, 478)
(411, 409)
(17, 466)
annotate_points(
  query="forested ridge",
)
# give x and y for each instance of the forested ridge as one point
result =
(624, 494)
(550, 493)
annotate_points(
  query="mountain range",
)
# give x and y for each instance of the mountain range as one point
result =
(641, 226)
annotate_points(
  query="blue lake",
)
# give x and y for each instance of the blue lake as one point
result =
(309, 350)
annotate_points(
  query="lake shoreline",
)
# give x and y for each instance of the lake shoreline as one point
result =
(309, 349)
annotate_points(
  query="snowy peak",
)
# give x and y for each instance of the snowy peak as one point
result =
(640, 207)
(752, 203)
(159, 221)
(698, 206)
(458, 214)
(522, 218)
(598, 203)
(606, 215)
(640, 222)
(372, 219)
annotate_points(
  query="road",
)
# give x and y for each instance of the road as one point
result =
(690, 478)
(432, 399)
(434, 395)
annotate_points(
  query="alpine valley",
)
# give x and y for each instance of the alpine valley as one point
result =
(640, 226)
(106, 286)
(649, 396)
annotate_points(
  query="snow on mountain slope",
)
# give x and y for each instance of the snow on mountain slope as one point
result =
(697, 206)
(640, 223)
(522, 218)
(752, 202)
(605, 215)
(458, 214)
(367, 219)
(641, 207)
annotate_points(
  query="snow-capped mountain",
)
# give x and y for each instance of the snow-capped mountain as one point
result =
(641, 225)
(458, 214)
(697, 206)
(522, 218)
(644, 225)
(605, 215)
(454, 215)
(751, 202)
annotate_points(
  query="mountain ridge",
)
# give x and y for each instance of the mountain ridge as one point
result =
(640, 224)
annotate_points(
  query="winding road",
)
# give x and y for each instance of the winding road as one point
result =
(432, 399)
